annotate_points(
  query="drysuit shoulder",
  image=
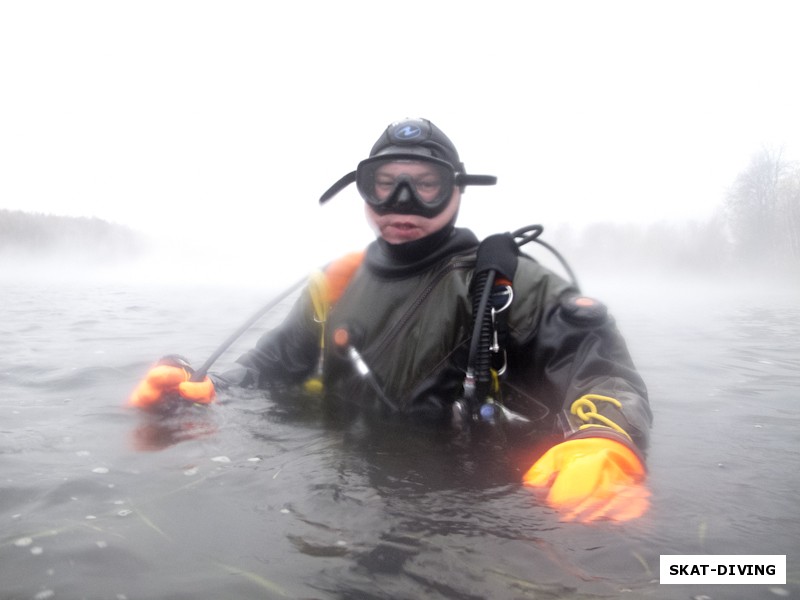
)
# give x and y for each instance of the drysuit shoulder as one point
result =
(583, 311)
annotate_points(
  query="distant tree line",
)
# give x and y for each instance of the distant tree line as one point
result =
(33, 235)
(756, 228)
(764, 212)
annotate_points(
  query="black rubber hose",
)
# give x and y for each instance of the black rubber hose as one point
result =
(531, 233)
(481, 336)
(200, 373)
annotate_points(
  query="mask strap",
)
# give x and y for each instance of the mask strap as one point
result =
(465, 179)
(338, 187)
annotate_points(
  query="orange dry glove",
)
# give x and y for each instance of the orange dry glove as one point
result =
(592, 478)
(170, 377)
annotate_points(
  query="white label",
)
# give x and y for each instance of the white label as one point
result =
(688, 569)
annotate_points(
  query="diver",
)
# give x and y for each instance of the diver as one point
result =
(443, 329)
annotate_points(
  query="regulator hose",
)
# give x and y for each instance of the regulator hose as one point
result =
(531, 233)
(496, 259)
(480, 363)
(200, 373)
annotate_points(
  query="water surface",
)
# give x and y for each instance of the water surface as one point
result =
(263, 498)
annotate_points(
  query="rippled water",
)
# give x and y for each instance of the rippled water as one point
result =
(262, 498)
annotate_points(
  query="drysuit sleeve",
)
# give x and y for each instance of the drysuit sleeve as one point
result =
(285, 354)
(572, 346)
(587, 359)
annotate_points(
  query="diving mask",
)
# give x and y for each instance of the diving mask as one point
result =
(406, 183)
(406, 186)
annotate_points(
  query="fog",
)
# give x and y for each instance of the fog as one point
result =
(212, 129)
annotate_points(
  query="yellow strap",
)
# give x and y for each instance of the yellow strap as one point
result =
(317, 288)
(318, 291)
(580, 406)
(495, 381)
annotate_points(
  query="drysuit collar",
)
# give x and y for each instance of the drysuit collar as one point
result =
(401, 260)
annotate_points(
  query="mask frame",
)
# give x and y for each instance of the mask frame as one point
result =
(404, 199)
(425, 191)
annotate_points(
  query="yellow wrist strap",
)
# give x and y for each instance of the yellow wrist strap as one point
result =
(586, 410)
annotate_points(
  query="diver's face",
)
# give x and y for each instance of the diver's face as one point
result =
(401, 228)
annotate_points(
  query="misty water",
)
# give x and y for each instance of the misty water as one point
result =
(262, 497)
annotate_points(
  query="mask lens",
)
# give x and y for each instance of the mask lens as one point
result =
(386, 182)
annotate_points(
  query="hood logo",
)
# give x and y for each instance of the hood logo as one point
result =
(407, 132)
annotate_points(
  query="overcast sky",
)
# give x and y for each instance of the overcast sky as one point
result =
(224, 121)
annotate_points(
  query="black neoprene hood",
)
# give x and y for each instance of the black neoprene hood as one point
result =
(417, 136)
